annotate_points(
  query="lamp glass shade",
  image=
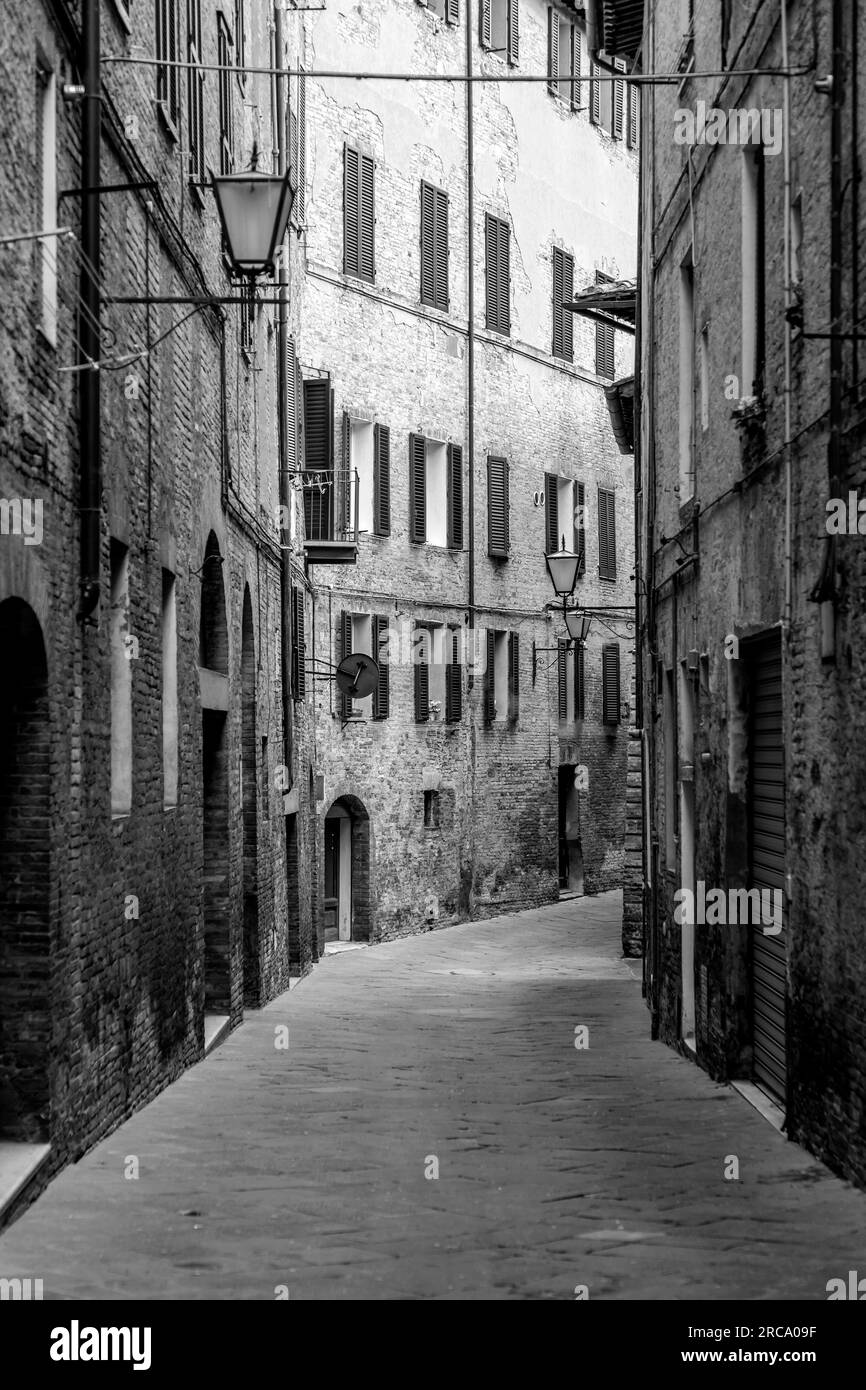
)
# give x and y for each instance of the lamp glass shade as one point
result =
(254, 210)
(577, 624)
(562, 566)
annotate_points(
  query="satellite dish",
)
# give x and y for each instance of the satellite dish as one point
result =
(357, 675)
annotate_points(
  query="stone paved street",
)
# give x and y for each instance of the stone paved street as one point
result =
(557, 1166)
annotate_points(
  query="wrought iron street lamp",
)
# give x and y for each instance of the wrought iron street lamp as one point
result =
(578, 624)
(563, 567)
(254, 211)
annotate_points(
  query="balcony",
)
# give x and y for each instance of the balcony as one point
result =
(331, 516)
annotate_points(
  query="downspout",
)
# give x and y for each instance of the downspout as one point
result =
(89, 335)
(470, 336)
(786, 135)
(285, 491)
(648, 481)
(855, 206)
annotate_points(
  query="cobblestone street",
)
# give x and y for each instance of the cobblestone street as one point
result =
(557, 1166)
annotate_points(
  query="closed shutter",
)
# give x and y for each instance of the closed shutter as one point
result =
(490, 677)
(563, 291)
(604, 350)
(557, 301)
(606, 534)
(292, 431)
(491, 270)
(299, 645)
(381, 690)
(633, 105)
(513, 31)
(382, 480)
(301, 196)
(577, 101)
(293, 154)
(618, 102)
(428, 219)
(346, 705)
(503, 288)
(367, 219)
(610, 684)
(422, 675)
(452, 10)
(440, 245)
(552, 50)
(319, 458)
(453, 679)
(417, 488)
(455, 496)
(579, 685)
(594, 94)
(497, 508)
(562, 677)
(351, 190)
(766, 844)
(580, 525)
(551, 512)
(513, 676)
(484, 23)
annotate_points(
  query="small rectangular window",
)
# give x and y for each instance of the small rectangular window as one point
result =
(499, 24)
(431, 810)
(498, 273)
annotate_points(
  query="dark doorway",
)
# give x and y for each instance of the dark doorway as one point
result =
(25, 873)
(332, 879)
(570, 847)
(346, 904)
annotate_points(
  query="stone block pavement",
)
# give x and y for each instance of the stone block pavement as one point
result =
(306, 1167)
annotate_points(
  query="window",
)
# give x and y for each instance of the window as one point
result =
(501, 688)
(431, 810)
(606, 534)
(500, 27)
(565, 516)
(299, 645)
(121, 647)
(753, 271)
(167, 78)
(564, 57)
(195, 95)
(358, 214)
(366, 484)
(46, 193)
(497, 508)
(297, 117)
(380, 652)
(610, 683)
(453, 676)
(319, 458)
(356, 633)
(224, 59)
(570, 682)
(606, 96)
(435, 492)
(498, 273)
(430, 660)
(169, 690)
(240, 43)
(434, 246)
(446, 9)
(687, 380)
(605, 342)
(563, 291)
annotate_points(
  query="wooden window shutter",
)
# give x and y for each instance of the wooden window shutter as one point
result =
(503, 287)
(513, 676)
(579, 688)
(367, 221)
(346, 479)
(440, 250)
(351, 206)
(551, 513)
(562, 677)
(490, 677)
(299, 646)
(552, 50)
(580, 525)
(417, 488)
(453, 679)
(497, 508)
(382, 480)
(291, 387)
(513, 31)
(618, 102)
(381, 690)
(594, 94)
(557, 301)
(566, 315)
(606, 534)
(455, 496)
(346, 705)
(604, 350)
(318, 403)
(576, 68)
(633, 106)
(610, 683)
(452, 11)
(301, 195)
(491, 270)
(484, 23)
(428, 219)
(422, 676)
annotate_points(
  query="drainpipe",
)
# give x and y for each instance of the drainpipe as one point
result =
(786, 135)
(285, 491)
(470, 337)
(89, 336)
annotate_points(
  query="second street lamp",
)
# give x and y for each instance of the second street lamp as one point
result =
(578, 624)
(563, 567)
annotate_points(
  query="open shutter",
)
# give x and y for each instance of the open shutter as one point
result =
(633, 104)
(319, 457)
(484, 23)
(428, 218)
(580, 525)
(557, 302)
(594, 94)
(382, 480)
(576, 65)
(497, 508)
(579, 692)
(565, 314)
(367, 221)
(618, 102)
(301, 196)
(346, 479)
(552, 50)
(513, 31)
(440, 250)
(491, 275)
(351, 201)
(490, 678)
(453, 679)
(381, 690)
(452, 10)
(422, 675)
(455, 496)
(346, 705)
(562, 677)
(513, 676)
(417, 488)
(503, 278)
(610, 683)
(551, 513)
(292, 432)
(299, 646)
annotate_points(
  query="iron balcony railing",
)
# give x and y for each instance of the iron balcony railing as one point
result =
(331, 504)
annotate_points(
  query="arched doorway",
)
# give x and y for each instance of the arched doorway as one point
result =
(25, 872)
(346, 897)
(249, 807)
(213, 663)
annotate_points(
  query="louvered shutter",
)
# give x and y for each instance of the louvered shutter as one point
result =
(497, 508)
(513, 676)
(292, 441)
(562, 677)
(610, 683)
(579, 691)
(422, 677)
(351, 203)
(557, 302)
(606, 534)
(604, 349)
(594, 94)
(455, 496)
(580, 525)
(440, 250)
(293, 154)
(346, 703)
(618, 102)
(565, 314)
(551, 513)
(491, 239)
(452, 10)
(417, 488)
(318, 457)
(367, 221)
(503, 278)
(484, 23)
(299, 647)
(490, 677)
(428, 218)
(381, 690)
(453, 679)
(552, 50)
(633, 105)
(513, 31)
(382, 480)
(346, 479)
(301, 196)
(576, 68)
